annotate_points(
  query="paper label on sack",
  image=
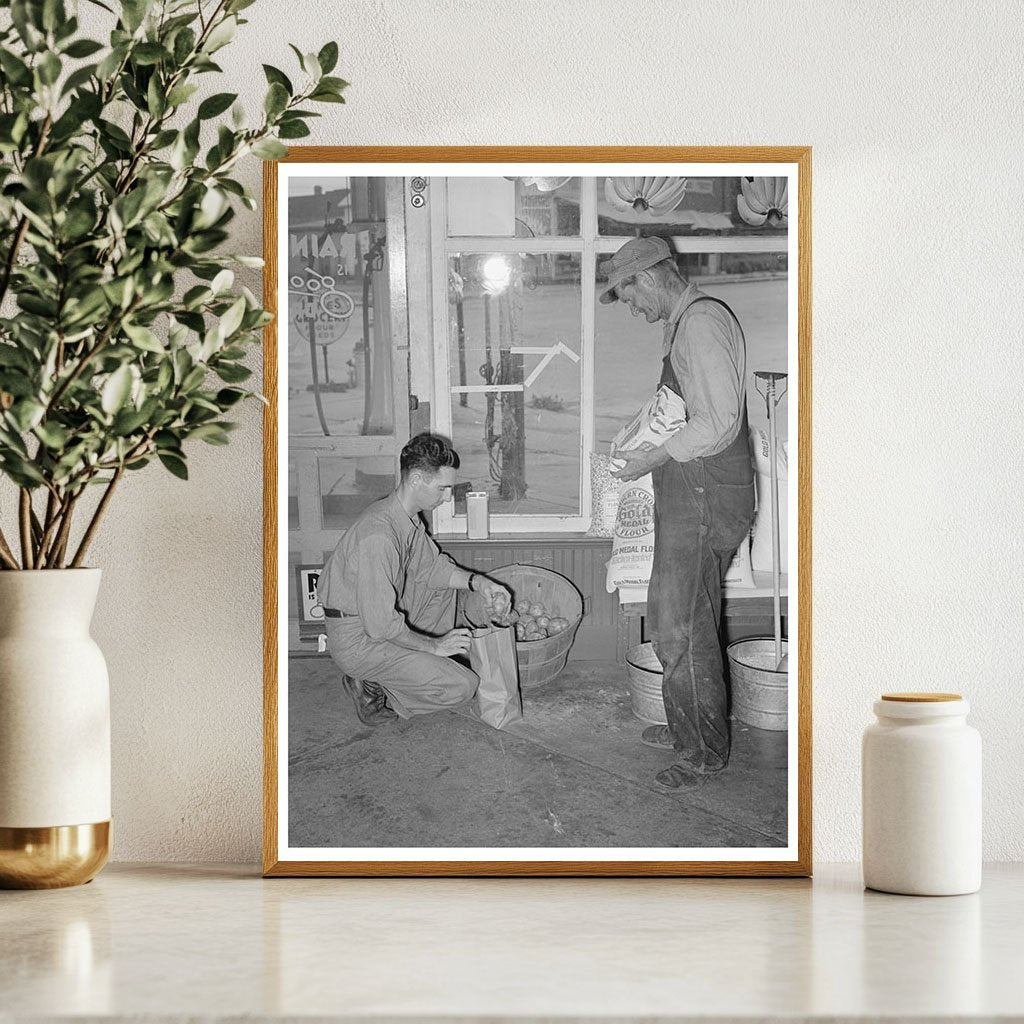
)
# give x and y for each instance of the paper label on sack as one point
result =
(633, 542)
(654, 423)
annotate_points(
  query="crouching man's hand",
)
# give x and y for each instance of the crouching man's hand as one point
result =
(497, 597)
(455, 641)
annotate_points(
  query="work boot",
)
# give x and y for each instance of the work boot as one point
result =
(370, 701)
(657, 736)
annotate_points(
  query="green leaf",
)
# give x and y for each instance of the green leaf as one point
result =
(221, 35)
(144, 338)
(53, 14)
(26, 20)
(116, 390)
(181, 94)
(49, 68)
(175, 465)
(211, 433)
(83, 48)
(109, 65)
(222, 281)
(193, 379)
(325, 96)
(16, 70)
(328, 57)
(149, 53)
(334, 84)
(184, 44)
(26, 414)
(77, 79)
(276, 100)
(156, 101)
(195, 296)
(227, 397)
(214, 105)
(279, 77)
(133, 12)
(53, 435)
(310, 65)
(232, 373)
(293, 130)
(232, 319)
(269, 149)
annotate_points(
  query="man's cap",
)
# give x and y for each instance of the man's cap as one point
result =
(636, 255)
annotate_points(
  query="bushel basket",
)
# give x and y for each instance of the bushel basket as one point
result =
(540, 661)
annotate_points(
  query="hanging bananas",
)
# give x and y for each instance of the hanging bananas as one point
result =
(647, 196)
(764, 201)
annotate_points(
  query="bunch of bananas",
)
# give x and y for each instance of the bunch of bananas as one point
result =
(651, 196)
(764, 201)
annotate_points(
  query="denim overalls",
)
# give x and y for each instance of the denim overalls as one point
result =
(703, 509)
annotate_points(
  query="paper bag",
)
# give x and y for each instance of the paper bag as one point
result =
(492, 655)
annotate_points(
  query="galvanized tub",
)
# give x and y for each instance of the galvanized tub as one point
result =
(644, 680)
(760, 693)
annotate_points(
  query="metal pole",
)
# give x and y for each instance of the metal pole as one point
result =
(776, 553)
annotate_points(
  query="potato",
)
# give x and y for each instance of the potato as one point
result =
(556, 625)
(542, 622)
(537, 609)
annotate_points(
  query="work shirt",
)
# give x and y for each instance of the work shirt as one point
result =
(367, 572)
(709, 357)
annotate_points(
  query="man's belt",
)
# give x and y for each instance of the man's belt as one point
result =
(333, 613)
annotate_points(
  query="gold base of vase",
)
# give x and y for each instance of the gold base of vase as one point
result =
(51, 858)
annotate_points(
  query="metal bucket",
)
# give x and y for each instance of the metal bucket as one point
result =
(645, 675)
(760, 694)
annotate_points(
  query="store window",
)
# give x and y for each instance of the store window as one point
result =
(507, 298)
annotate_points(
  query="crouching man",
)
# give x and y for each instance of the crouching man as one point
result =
(392, 600)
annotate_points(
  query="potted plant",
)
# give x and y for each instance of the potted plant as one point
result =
(122, 340)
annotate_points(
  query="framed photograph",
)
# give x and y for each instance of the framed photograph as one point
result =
(568, 389)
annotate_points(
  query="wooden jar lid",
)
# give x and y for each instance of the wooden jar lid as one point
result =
(921, 698)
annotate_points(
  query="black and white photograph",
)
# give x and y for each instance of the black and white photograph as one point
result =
(534, 550)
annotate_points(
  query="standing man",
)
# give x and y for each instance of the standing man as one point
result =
(703, 499)
(390, 598)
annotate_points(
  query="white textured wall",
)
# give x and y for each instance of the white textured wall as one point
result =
(914, 113)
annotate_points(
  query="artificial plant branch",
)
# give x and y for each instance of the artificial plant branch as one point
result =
(25, 522)
(97, 516)
(6, 554)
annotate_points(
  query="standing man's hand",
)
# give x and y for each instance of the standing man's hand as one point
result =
(455, 641)
(639, 463)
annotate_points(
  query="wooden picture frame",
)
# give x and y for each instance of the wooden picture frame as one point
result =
(407, 178)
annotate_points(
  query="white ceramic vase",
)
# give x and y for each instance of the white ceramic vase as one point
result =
(54, 731)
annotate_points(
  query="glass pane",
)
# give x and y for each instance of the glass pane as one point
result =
(628, 350)
(692, 206)
(349, 484)
(339, 325)
(513, 207)
(521, 445)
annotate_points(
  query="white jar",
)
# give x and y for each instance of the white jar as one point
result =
(921, 779)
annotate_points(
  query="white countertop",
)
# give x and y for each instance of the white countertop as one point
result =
(180, 941)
